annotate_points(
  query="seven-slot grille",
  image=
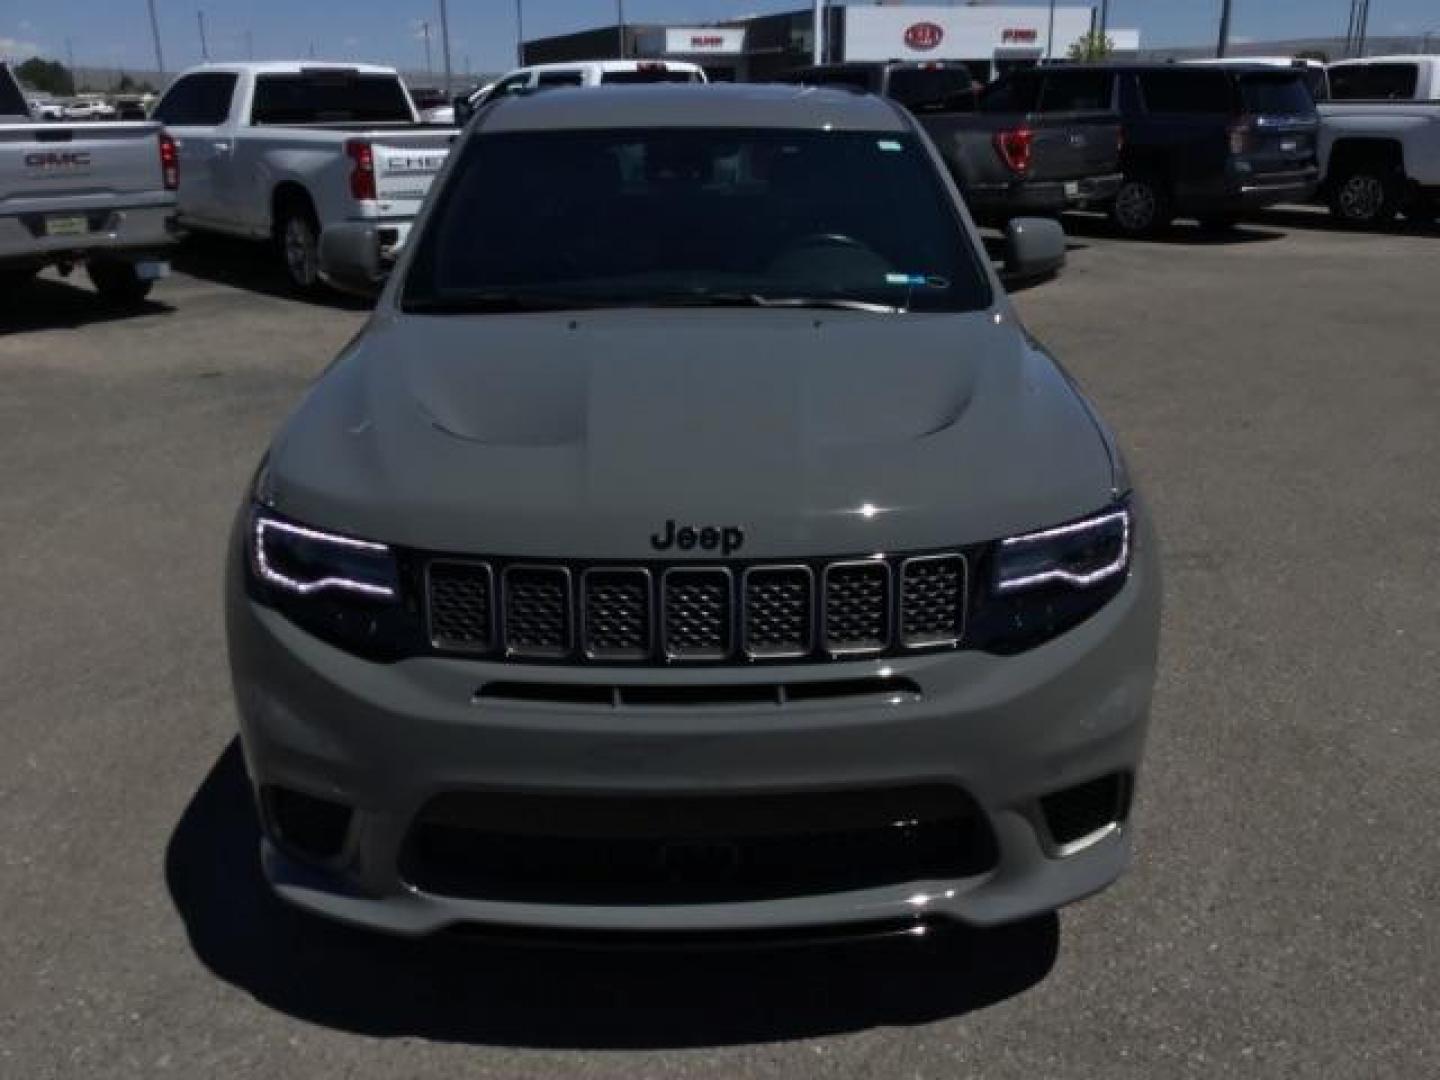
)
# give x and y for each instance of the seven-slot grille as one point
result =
(605, 614)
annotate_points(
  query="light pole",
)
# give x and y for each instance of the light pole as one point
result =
(445, 44)
(204, 49)
(1050, 35)
(425, 29)
(155, 36)
(519, 33)
(620, 21)
(1224, 41)
(818, 37)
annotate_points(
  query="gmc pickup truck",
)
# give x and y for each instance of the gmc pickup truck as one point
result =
(1009, 159)
(280, 150)
(102, 194)
(1380, 139)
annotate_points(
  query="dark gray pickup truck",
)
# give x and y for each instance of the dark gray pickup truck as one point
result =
(1006, 162)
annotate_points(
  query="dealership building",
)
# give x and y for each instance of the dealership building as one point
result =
(988, 38)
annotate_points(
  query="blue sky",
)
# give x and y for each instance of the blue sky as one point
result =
(115, 33)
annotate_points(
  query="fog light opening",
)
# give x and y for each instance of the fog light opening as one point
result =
(1080, 817)
(311, 827)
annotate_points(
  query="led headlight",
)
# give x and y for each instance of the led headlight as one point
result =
(1081, 554)
(300, 560)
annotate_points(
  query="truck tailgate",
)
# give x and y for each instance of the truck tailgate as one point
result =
(1070, 146)
(406, 162)
(89, 164)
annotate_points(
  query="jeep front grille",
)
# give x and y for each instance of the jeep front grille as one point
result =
(685, 613)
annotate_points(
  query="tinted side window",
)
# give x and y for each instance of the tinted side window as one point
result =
(657, 73)
(1287, 94)
(1015, 93)
(560, 78)
(1374, 82)
(11, 101)
(326, 96)
(202, 100)
(948, 89)
(1186, 91)
(1077, 91)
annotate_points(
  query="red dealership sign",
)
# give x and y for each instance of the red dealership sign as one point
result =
(1019, 36)
(924, 36)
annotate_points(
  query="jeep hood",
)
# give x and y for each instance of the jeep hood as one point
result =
(580, 435)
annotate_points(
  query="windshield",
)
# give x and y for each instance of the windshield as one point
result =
(1287, 94)
(668, 216)
(329, 97)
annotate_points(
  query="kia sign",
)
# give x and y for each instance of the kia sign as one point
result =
(924, 36)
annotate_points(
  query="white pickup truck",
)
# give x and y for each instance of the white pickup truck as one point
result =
(280, 151)
(1380, 139)
(102, 194)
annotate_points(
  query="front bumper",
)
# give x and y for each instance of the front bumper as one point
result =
(388, 739)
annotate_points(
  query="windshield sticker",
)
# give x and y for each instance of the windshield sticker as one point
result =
(889, 144)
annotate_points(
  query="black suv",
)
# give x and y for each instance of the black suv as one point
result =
(1212, 143)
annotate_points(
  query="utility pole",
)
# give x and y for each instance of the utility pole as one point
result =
(204, 48)
(1050, 36)
(249, 45)
(425, 29)
(1224, 42)
(519, 33)
(155, 36)
(818, 37)
(1364, 31)
(1104, 18)
(445, 44)
(620, 21)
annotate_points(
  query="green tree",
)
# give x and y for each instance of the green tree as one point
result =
(1091, 46)
(47, 76)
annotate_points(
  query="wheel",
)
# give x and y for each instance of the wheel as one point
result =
(1219, 223)
(1365, 195)
(1142, 205)
(298, 234)
(119, 282)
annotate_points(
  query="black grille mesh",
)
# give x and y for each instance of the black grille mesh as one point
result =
(932, 603)
(617, 614)
(628, 614)
(537, 611)
(778, 611)
(857, 607)
(697, 614)
(461, 616)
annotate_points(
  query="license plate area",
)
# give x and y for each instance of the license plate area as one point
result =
(66, 225)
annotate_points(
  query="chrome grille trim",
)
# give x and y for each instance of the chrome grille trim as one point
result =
(888, 611)
(743, 615)
(454, 644)
(727, 621)
(758, 618)
(539, 652)
(962, 587)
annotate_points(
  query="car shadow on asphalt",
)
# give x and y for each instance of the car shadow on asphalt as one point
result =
(253, 266)
(1180, 232)
(453, 989)
(49, 303)
(1318, 219)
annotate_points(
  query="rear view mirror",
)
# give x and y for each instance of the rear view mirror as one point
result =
(350, 259)
(1034, 249)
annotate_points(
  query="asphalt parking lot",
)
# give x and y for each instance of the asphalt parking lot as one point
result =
(1279, 394)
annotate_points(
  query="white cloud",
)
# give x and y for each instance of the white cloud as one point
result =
(15, 47)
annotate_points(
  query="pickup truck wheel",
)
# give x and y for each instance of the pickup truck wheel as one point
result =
(1365, 195)
(119, 283)
(299, 236)
(1142, 206)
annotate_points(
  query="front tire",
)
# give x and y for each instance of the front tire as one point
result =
(1142, 206)
(298, 234)
(119, 283)
(1365, 196)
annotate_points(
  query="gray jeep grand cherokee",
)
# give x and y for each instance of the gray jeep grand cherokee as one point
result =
(692, 541)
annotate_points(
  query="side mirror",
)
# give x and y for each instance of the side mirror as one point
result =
(1034, 249)
(463, 109)
(350, 259)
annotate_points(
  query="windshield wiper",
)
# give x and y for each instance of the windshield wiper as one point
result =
(734, 299)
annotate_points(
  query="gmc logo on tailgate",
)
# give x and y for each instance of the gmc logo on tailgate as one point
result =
(71, 159)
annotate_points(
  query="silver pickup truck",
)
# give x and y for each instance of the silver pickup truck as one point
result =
(281, 151)
(102, 194)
